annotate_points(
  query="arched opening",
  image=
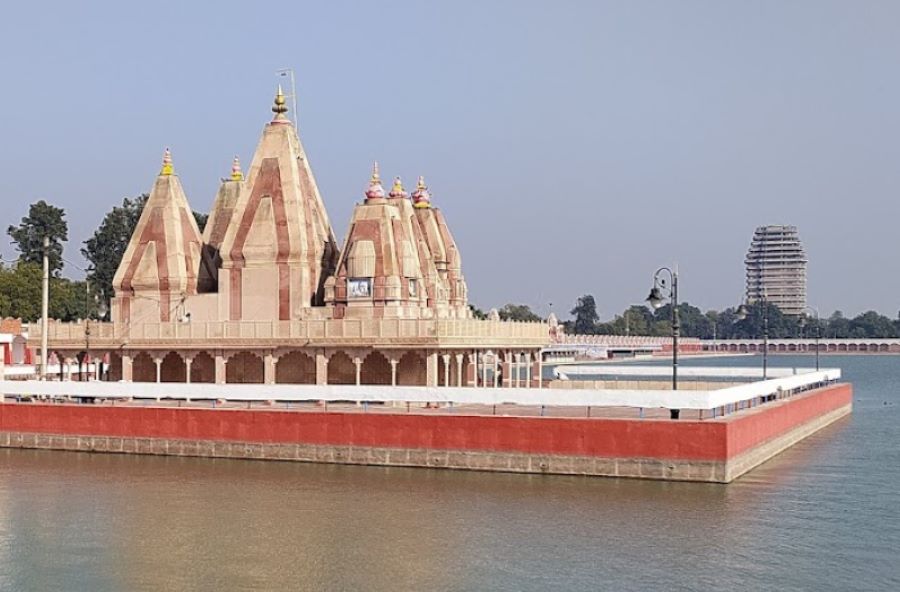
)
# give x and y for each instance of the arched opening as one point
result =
(143, 369)
(19, 346)
(341, 369)
(411, 370)
(173, 368)
(295, 368)
(203, 368)
(375, 369)
(244, 368)
(114, 372)
(445, 375)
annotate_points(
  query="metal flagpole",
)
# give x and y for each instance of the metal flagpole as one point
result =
(290, 72)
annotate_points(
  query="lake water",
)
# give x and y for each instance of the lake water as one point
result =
(825, 515)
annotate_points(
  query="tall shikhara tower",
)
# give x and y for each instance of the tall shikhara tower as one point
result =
(160, 266)
(776, 269)
(279, 246)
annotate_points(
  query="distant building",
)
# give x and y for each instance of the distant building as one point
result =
(776, 269)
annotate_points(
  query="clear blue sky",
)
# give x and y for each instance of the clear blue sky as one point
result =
(574, 146)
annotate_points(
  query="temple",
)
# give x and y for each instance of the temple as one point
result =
(265, 294)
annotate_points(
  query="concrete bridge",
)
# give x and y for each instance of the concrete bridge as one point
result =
(806, 345)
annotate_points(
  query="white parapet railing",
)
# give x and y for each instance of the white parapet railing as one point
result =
(644, 399)
(565, 372)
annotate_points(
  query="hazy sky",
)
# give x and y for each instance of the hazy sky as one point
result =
(574, 146)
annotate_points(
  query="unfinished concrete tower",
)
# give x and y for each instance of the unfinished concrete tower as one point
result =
(160, 266)
(279, 245)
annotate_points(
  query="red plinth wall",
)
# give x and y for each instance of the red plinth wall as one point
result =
(708, 450)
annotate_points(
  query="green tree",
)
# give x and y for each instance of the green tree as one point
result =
(43, 220)
(634, 320)
(105, 249)
(586, 317)
(692, 321)
(477, 312)
(201, 220)
(20, 291)
(838, 326)
(518, 312)
(753, 327)
(872, 324)
(20, 295)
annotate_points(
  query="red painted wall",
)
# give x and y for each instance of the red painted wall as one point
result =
(619, 438)
(768, 422)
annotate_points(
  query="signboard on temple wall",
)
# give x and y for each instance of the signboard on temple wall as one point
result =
(359, 288)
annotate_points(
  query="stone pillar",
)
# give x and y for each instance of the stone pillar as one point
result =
(539, 368)
(268, 367)
(69, 361)
(459, 369)
(526, 359)
(496, 368)
(484, 370)
(508, 364)
(126, 367)
(220, 368)
(446, 358)
(357, 361)
(158, 362)
(188, 360)
(431, 369)
(470, 369)
(394, 362)
(321, 367)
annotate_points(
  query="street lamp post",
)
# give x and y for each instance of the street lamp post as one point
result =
(742, 313)
(815, 312)
(660, 291)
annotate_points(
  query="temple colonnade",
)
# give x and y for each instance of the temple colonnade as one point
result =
(507, 368)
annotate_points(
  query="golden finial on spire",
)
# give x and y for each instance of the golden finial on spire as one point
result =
(397, 189)
(279, 108)
(167, 168)
(421, 198)
(236, 174)
(375, 190)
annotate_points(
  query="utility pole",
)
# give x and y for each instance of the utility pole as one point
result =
(45, 306)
